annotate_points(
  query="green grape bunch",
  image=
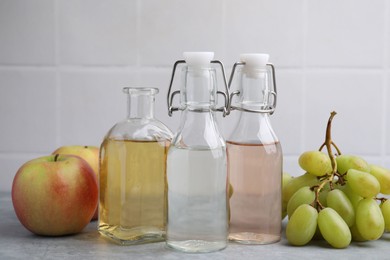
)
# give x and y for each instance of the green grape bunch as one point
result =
(339, 198)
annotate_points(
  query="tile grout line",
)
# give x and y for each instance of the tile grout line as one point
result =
(138, 42)
(304, 76)
(130, 67)
(75, 66)
(386, 53)
(224, 31)
(57, 73)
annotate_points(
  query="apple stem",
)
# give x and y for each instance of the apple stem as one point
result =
(56, 157)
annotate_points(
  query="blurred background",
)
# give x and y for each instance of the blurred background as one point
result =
(63, 64)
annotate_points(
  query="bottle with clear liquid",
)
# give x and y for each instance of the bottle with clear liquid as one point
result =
(132, 177)
(196, 163)
(254, 155)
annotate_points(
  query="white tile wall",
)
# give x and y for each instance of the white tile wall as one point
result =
(259, 26)
(97, 32)
(63, 64)
(27, 110)
(287, 119)
(27, 32)
(91, 103)
(167, 28)
(160, 78)
(345, 33)
(357, 98)
(387, 163)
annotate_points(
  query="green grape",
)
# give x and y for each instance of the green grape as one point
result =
(303, 196)
(333, 228)
(369, 219)
(385, 208)
(383, 177)
(363, 183)
(230, 190)
(338, 201)
(286, 178)
(296, 183)
(352, 196)
(316, 163)
(302, 225)
(346, 162)
(356, 236)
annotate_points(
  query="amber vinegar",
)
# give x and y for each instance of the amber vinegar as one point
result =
(133, 188)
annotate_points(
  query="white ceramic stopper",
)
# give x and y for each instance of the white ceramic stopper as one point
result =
(255, 63)
(198, 59)
(255, 60)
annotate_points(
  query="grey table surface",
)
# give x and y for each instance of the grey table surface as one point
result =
(18, 243)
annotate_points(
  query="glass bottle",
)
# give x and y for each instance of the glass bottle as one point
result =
(197, 163)
(255, 156)
(132, 178)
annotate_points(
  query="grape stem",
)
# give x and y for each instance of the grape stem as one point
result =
(382, 200)
(329, 177)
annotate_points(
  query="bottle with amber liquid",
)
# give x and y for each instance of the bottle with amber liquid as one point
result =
(254, 155)
(132, 176)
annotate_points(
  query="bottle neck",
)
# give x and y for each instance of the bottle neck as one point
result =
(198, 127)
(254, 95)
(140, 106)
(254, 91)
(198, 91)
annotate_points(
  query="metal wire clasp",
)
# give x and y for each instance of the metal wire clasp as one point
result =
(171, 95)
(270, 108)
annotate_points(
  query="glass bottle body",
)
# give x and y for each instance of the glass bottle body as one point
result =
(132, 206)
(197, 174)
(255, 172)
(255, 168)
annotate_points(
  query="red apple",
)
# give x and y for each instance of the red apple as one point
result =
(55, 195)
(89, 154)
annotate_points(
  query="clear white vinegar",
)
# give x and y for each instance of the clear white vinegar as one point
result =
(197, 199)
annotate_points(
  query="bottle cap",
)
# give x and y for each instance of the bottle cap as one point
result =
(198, 59)
(255, 60)
(254, 63)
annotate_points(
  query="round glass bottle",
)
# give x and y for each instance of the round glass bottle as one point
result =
(132, 177)
(197, 165)
(255, 157)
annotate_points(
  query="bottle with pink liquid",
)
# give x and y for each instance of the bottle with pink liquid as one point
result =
(254, 155)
